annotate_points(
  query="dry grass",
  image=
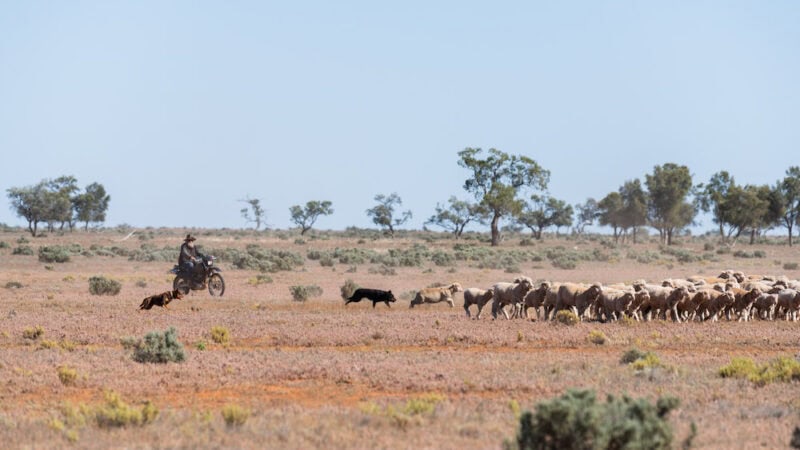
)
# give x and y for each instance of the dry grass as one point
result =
(312, 373)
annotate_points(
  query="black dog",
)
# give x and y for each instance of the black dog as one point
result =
(376, 295)
(160, 299)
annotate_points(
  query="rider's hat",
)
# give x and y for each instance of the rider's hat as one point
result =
(189, 237)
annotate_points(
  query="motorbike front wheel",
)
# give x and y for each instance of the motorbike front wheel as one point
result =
(216, 285)
(181, 285)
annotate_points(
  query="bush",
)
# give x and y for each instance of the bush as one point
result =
(576, 421)
(100, 285)
(33, 333)
(565, 262)
(54, 254)
(597, 337)
(67, 375)
(303, 293)
(25, 250)
(632, 355)
(13, 285)
(220, 335)
(235, 415)
(567, 317)
(383, 269)
(326, 261)
(159, 348)
(116, 413)
(348, 288)
(782, 369)
(4, 244)
(260, 279)
(790, 266)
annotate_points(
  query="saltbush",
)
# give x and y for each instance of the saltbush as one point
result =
(220, 335)
(100, 285)
(54, 254)
(790, 266)
(348, 288)
(25, 250)
(567, 317)
(234, 415)
(783, 369)
(67, 375)
(13, 285)
(33, 333)
(116, 413)
(577, 421)
(302, 293)
(159, 347)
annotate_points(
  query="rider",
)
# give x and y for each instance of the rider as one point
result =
(189, 259)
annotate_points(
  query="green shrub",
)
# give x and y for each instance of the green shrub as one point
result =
(783, 369)
(567, 317)
(25, 250)
(33, 333)
(708, 247)
(159, 347)
(13, 285)
(632, 355)
(4, 244)
(577, 421)
(220, 335)
(790, 266)
(116, 413)
(759, 254)
(67, 375)
(597, 337)
(100, 285)
(565, 262)
(326, 261)
(259, 279)
(303, 293)
(348, 288)
(383, 269)
(234, 415)
(54, 254)
(265, 260)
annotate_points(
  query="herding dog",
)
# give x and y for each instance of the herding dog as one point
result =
(376, 295)
(162, 299)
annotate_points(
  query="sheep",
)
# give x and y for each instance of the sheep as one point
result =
(577, 297)
(477, 296)
(788, 303)
(509, 294)
(613, 303)
(436, 295)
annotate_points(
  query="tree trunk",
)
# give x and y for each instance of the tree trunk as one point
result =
(634, 235)
(495, 230)
(790, 235)
(669, 237)
(752, 236)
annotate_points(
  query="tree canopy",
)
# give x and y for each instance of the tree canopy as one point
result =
(497, 180)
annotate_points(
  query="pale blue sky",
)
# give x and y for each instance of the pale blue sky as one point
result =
(181, 108)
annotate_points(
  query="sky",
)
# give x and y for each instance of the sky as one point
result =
(182, 109)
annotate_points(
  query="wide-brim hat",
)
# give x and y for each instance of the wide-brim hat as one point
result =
(189, 237)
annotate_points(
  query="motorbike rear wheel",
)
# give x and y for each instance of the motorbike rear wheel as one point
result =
(216, 285)
(182, 285)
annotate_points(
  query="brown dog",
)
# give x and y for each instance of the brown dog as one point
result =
(162, 299)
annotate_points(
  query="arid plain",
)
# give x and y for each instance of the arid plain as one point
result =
(316, 373)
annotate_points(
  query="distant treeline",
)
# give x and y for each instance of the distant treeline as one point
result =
(510, 187)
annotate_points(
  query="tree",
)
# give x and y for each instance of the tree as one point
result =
(610, 213)
(789, 190)
(254, 207)
(382, 214)
(65, 187)
(587, 213)
(711, 198)
(30, 203)
(668, 210)
(456, 217)
(497, 179)
(545, 212)
(634, 206)
(92, 205)
(307, 216)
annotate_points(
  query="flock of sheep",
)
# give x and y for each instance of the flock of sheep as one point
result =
(732, 294)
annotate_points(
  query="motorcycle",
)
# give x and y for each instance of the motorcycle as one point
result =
(212, 278)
